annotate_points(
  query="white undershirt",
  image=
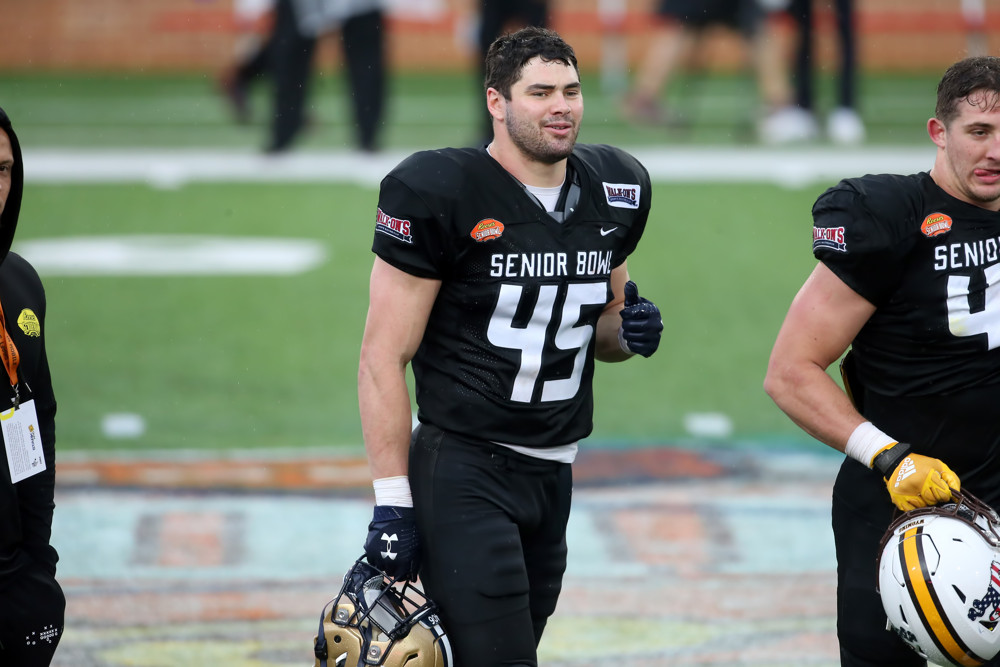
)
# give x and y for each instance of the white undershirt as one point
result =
(548, 196)
(561, 453)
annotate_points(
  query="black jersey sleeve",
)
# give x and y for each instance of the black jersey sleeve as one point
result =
(860, 232)
(408, 233)
(642, 214)
(610, 167)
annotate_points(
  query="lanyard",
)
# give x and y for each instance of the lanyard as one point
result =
(11, 358)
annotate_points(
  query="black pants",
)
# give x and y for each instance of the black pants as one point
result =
(292, 53)
(364, 56)
(864, 641)
(802, 12)
(32, 608)
(493, 529)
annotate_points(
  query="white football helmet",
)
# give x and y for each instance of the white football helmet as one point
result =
(939, 578)
(378, 621)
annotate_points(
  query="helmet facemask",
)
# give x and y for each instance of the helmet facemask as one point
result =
(378, 621)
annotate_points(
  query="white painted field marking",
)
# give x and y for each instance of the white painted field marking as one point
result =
(790, 167)
(708, 424)
(123, 425)
(171, 255)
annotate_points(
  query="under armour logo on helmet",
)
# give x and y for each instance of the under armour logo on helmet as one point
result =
(389, 539)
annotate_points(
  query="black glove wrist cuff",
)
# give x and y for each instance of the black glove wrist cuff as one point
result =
(887, 461)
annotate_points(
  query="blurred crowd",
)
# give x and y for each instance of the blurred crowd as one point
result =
(777, 39)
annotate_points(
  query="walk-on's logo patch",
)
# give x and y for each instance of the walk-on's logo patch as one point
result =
(622, 195)
(394, 227)
(487, 230)
(832, 238)
(29, 323)
(935, 224)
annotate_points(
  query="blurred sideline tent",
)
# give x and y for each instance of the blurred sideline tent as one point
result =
(200, 35)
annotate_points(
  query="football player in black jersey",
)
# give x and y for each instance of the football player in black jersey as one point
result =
(500, 276)
(908, 278)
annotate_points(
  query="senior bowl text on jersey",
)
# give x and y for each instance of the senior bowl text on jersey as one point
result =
(522, 288)
(550, 264)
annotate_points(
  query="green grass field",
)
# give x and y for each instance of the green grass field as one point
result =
(423, 110)
(228, 362)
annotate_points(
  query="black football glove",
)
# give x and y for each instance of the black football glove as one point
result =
(393, 544)
(641, 322)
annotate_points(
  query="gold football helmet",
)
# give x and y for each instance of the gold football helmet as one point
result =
(378, 621)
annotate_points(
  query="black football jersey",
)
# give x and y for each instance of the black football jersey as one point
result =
(931, 265)
(508, 353)
(928, 358)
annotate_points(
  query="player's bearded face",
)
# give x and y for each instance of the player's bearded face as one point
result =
(543, 116)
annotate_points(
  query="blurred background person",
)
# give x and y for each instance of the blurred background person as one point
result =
(677, 44)
(843, 124)
(976, 36)
(497, 17)
(253, 19)
(298, 24)
(287, 57)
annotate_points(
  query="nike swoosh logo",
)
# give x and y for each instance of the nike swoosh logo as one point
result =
(605, 232)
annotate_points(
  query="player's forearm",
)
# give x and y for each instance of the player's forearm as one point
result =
(384, 404)
(811, 399)
(608, 348)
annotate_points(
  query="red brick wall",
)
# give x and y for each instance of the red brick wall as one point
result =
(147, 35)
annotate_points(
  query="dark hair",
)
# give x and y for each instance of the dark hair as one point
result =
(509, 53)
(962, 80)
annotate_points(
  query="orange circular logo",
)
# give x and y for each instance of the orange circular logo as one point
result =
(936, 224)
(487, 230)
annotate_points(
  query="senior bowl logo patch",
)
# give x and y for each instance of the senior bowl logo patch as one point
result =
(394, 227)
(29, 323)
(832, 238)
(935, 224)
(622, 195)
(487, 230)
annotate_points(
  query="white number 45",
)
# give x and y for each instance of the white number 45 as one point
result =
(530, 340)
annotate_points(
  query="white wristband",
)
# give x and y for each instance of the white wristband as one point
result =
(866, 442)
(393, 491)
(622, 343)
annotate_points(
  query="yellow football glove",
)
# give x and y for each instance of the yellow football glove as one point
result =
(914, 480)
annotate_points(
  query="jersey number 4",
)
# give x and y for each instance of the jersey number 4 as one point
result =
(530, 340)
(962, 321)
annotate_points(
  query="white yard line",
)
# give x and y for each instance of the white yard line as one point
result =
(790, 167)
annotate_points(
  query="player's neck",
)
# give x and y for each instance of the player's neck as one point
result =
(527, 171)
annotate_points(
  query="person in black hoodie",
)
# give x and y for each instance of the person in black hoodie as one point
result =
(32, 604)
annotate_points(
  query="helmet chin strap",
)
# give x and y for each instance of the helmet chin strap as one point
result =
(320, 649)
(366, 642)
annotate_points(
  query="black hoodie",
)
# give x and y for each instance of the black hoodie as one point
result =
(26, 507)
